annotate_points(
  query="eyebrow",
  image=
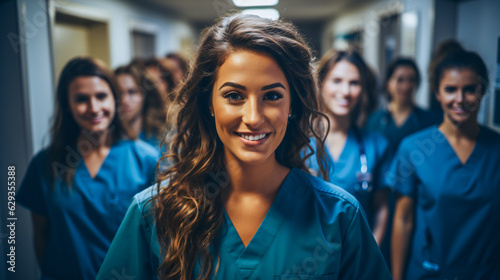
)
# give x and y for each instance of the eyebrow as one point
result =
(244, 88)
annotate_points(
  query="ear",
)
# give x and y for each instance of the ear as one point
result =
(438, 96)
(211, 108)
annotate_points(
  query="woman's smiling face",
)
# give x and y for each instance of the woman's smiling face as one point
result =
(251, 103)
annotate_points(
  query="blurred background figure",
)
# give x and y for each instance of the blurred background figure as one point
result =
(79, 188)
(161, 75)
(143, 108)
(446, 223)
(359, 158)
(402, 116)
(178, 65)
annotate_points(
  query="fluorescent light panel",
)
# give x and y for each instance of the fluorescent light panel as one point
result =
(263, 13)
(255, 3)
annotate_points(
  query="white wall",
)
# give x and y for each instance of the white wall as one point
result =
(366, 18)
(478, 29)
(169, 30)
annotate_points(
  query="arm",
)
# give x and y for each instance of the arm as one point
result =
(401, 233)
(381, 209)
(40, 235)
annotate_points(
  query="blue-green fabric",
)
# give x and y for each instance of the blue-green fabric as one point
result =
(343, 171)
(83, 219)
(313, 230)
(457, 221)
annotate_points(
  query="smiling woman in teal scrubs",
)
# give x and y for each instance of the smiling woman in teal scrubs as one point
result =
(78, 189)
(359, 158)
(447, 221)
(238, 202)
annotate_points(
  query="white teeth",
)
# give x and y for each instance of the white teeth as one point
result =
(252, 137)
(342, 101)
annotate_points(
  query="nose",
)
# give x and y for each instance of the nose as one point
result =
(345, 88)
(252, 113)
(93, 106)
(459, 97)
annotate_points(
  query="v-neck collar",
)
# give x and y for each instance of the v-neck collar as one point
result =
(248, 258)
(470, 161)
(85, 171)
(410, 118)
(347, 146)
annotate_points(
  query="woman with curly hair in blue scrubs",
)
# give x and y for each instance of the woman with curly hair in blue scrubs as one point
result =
(238, 202)
(78, 189)
(446, 224)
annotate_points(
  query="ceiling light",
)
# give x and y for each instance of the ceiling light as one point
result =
(255, 3)
(263, 13)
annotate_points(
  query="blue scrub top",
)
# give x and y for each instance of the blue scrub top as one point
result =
(418, 119)
(84, 219)
(457, 206)
(151, 140)
(313, 230)
(343, 172)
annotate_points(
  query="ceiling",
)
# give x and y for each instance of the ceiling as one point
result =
(205, 11)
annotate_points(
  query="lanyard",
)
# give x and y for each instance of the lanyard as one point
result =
(363, 176)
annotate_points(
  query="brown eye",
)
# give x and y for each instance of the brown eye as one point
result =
(233, 96)
(450, 89)
(273, 96)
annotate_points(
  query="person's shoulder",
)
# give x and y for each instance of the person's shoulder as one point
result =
(429, 133)
(325, 190)
(374, 138)
(40, 161)
(143, 149)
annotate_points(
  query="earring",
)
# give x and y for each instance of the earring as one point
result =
(212, 114)
(290, 115)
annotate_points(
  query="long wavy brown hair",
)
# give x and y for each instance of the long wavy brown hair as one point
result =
(368, 99)
(63, 149)
(189, 211)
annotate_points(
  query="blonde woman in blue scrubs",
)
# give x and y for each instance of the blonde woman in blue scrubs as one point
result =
(447, 221)
(238, 202)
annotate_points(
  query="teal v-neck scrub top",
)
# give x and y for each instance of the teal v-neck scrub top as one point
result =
(313, 230)
(343, 171)
(457, 206)
(84, 219)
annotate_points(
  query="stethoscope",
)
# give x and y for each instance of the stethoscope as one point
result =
(364, 177)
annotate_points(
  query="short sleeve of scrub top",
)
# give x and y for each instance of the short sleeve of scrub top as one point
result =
(84, 217)
(313, 230)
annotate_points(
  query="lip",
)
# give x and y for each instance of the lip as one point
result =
(342, 102)
(253, 142)
(95, 120)
(459, 111)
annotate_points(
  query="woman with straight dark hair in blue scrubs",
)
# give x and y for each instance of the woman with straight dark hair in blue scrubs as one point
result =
(78, 189)
(447, 221)
(401, 117)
